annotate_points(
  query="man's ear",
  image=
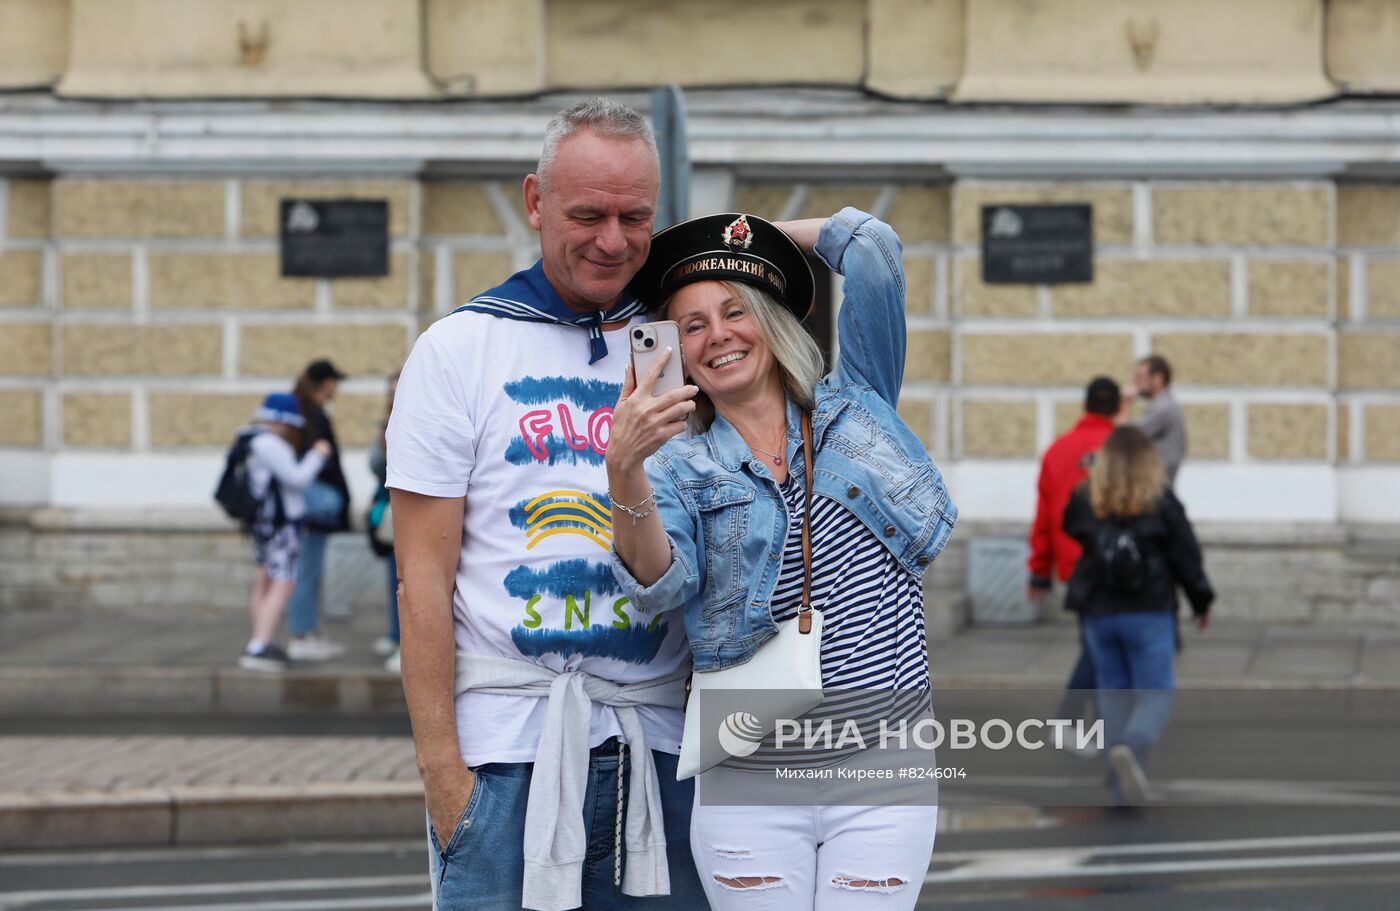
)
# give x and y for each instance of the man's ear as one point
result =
(531, 191)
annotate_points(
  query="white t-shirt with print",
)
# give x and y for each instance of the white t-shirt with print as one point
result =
(511, 415)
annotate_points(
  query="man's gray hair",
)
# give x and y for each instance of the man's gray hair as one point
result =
(599, 115)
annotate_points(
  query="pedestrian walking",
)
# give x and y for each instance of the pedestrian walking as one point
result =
(381, 534)
(1053, 552)
(719, 524)
(1162, 421)
(1138, 548)
(327, 511)
(549, 756)
(277, 479)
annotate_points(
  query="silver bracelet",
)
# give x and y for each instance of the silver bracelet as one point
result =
(633, 510)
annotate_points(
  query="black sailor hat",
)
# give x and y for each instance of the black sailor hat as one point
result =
(729, 247)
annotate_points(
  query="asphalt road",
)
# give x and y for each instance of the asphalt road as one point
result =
(1204, 859)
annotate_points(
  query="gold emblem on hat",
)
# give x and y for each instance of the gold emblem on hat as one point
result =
(739, 236)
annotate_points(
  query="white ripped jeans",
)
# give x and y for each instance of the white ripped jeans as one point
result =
(812, 858)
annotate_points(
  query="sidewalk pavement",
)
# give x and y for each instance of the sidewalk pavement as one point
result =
(162, 790)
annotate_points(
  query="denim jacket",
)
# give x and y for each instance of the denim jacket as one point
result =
(723, 510)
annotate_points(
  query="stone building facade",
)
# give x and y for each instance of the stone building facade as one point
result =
(1246, 218)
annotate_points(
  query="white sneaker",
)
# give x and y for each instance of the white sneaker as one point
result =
(385, 647)
(392, 664)
(314, 648)
(1132, 781)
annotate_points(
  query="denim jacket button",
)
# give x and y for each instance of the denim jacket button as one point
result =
(923, 560)
(890, 531)
(853, 492)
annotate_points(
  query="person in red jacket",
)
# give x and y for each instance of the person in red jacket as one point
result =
(1054, 553)
(1064, 465)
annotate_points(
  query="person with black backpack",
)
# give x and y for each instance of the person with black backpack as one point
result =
(263, 486)
(1138, 548)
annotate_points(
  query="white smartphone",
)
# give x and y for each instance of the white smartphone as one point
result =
(649, 341)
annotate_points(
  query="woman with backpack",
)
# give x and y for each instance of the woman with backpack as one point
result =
(1138, 547)
(277, 479)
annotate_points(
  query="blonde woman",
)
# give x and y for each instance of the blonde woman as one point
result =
(713, 524)
(1138, 547)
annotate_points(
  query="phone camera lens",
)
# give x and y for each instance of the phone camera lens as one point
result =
(637, 333)
(651, 343)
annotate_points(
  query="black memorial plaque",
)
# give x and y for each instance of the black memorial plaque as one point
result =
(335, 238)
(1037, 245)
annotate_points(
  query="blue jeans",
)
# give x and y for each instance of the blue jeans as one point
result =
(483, 866)
(303, 614)
(1076, 702)
(393, 628)
(1134, 655)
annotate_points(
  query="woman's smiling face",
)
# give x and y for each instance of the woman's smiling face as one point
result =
(726, 353)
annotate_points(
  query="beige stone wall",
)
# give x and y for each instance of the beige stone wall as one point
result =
(1140, 51)
(163, 299)
(149, 315)
(1276, 302)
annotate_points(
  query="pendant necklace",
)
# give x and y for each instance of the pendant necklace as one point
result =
(777, 459)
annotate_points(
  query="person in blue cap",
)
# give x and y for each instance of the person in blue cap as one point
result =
(278, 479)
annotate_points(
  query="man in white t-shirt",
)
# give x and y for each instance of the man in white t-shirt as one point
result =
(508, 606)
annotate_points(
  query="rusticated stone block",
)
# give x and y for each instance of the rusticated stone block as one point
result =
(1207, 430)
(26, 349)
(1227, 359)
(387, 293)
(96, 281)
(1344, 419)
(1149, 288)
(358, 417)
(766, 200)
(825, 200)
(283, 351)
(458, 208)
(1067, 414)
(998, 429)
(928, 356)
(1298, 288)
(918, 414)
(1288, 431)
(1257, 215)
(262, 201)
(226, 281)
(1368, 360)
(1383, 289)
(1368, 215)
(1383, 433)
(138, 208)
(973, 297)
(21, 278)
(1343, 274)
(922, 214)
(199, 418)
(610, 43)
(475, 271)
(427, 282)
(918, 285)
(98, 350)
(97, 419)
(21, 417)
(30, 208)
(1112, 205)
(1059, 359)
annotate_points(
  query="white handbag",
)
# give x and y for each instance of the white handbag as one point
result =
(790, 662)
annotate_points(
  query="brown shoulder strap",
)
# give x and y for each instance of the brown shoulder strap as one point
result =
(804, 613)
